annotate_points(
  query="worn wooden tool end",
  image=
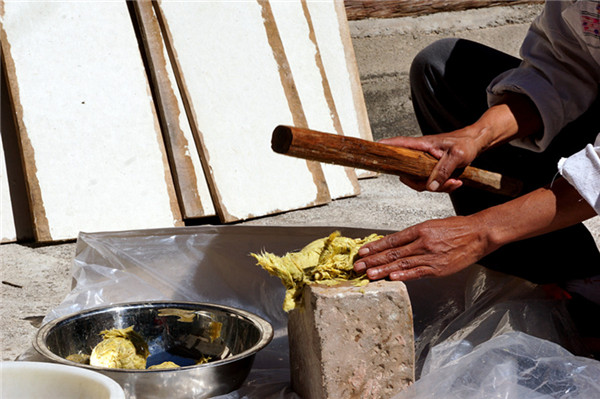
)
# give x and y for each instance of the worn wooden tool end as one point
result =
(281, 139)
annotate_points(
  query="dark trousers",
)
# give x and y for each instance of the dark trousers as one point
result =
(448, 85)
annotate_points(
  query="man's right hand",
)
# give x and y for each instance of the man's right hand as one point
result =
(517, 117)
(453, 150)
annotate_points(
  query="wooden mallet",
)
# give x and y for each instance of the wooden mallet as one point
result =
(364, 154)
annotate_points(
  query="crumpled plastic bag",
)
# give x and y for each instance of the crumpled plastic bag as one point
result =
(512, 365)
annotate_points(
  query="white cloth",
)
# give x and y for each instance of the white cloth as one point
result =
(560, 73)
(582, 170)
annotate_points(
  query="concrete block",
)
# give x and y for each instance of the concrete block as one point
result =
(352, 342)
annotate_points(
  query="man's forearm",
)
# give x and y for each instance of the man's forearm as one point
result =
(541, 211)
(517, 117)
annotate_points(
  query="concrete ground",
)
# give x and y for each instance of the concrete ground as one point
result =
(37, 278)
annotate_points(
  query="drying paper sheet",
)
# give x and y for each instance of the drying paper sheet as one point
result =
(93, 151)
(238, 91)
(190, 182)
(335, 46)
(306, 65)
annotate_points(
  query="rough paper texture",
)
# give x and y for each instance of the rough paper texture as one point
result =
(298, 37)
(335, 45)
(93, 151)
(190, 182)
(236, 94)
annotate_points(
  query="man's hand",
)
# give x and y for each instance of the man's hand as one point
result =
(517, 117)
(453, 150)
(441, 247)
(431, 249)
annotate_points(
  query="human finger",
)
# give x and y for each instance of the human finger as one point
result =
(433, 145)
(449, 186)
(395, 240)
(385, 260)
(412, 274)
(420, 185)
(382, 259)
(379, 272)
(415, 143)
(440, 175)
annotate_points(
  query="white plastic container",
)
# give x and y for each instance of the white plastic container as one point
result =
(32, 380)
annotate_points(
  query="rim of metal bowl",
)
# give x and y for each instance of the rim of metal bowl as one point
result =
(264, 326)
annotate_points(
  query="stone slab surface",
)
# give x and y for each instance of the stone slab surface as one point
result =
(352, 342)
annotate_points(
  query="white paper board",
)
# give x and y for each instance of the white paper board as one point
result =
(191, 151)
(93, 152)
(335, 46)
(193, 192)
(238, 92)
(306, 65)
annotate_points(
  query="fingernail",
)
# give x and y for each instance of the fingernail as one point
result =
(360, 266)
(363, 251)
(433, 186)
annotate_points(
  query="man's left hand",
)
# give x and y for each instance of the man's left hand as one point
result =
(433, 248)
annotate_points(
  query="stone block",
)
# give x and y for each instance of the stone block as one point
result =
(352, 342)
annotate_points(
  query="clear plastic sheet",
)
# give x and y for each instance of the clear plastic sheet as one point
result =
(453, 315)
(482, 305)
(510, 365)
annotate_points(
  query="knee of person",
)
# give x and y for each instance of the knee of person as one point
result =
(431, 59)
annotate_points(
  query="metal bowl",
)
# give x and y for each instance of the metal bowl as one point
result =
(176, 331)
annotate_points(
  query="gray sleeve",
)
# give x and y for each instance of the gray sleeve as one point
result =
(559, 72)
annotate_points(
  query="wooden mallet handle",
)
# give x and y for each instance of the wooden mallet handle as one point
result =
(377, 157)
